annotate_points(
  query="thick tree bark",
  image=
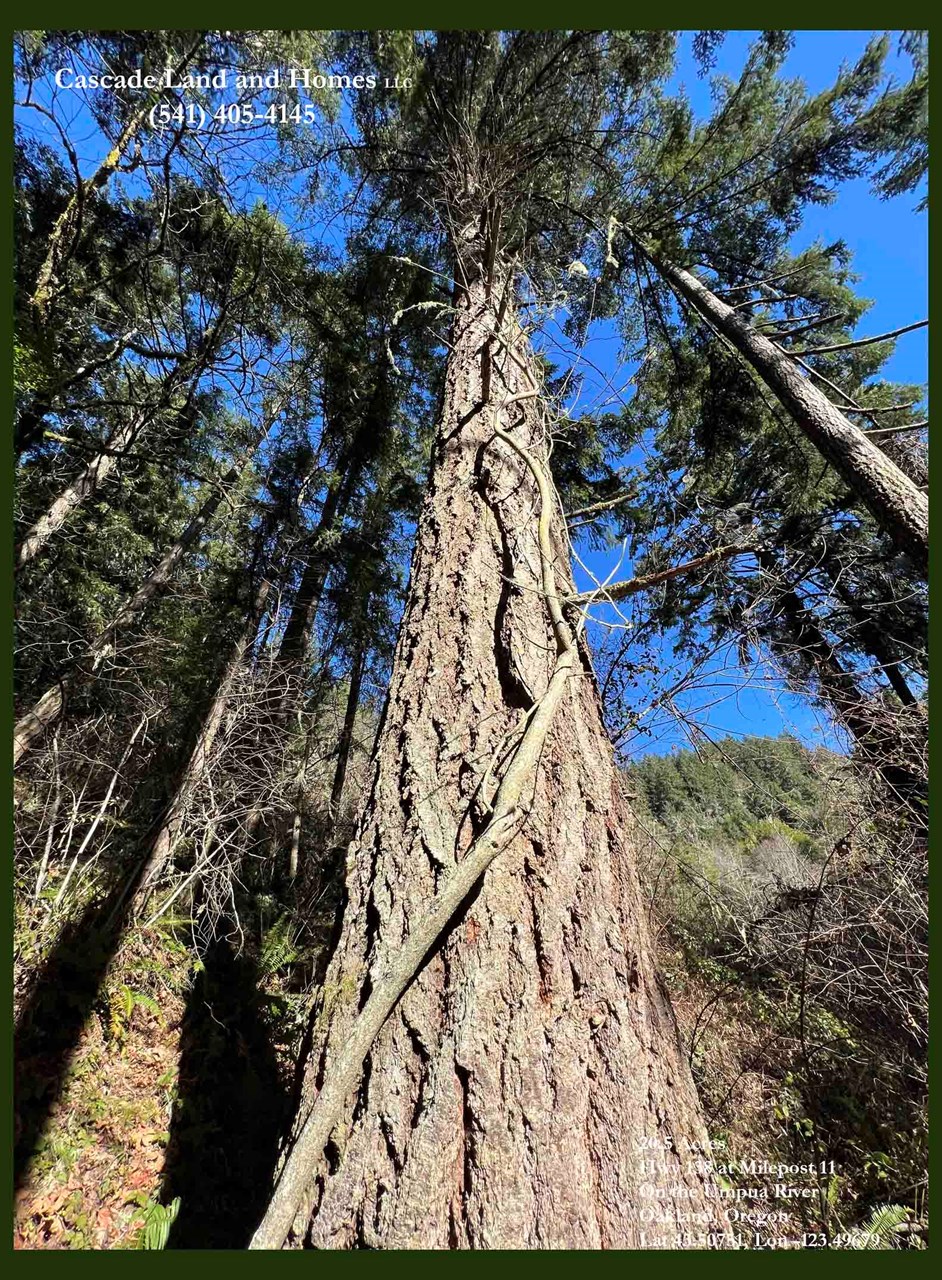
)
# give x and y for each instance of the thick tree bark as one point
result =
(506, 1099)
(889, 495)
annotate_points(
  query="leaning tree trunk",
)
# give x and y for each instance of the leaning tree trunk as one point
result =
(96, 471)
(507, 1097)
(872, 639)
(894, 501)
(164, 839)
(81, 487)
(45, 712)
(891, 741)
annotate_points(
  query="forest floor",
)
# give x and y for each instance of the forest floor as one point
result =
(159, 1122)
(100, 1122)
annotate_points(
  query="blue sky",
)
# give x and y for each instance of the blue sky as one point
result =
(888, 240)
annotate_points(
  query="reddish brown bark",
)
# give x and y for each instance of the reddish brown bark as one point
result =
(505, 1101)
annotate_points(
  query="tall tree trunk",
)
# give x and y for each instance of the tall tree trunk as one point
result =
(889, 495)
(80, 487)
(505, 1101)
(317, 563)
(94, 474)
(163, 842)
(352, 458)
(31, 419)
(30, 728)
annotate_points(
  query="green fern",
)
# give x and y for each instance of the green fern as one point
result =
(278, 947)
(878, 1232)
(158, 1219)
(130, 1000)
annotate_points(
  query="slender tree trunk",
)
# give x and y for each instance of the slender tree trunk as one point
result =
(79, 488)
(349, 469)
(889, 495)
(31, 727)
(505, 1101)
(297, 634)
(164, 840)
(317, 562)
(287, 689)
(349, 723)
(873, 642)
(297, 822)
(68, 223)
(893, 744)
(31, 420)
(94, 474)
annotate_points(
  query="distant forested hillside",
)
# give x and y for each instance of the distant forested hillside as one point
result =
(777, 935)
(729, 786)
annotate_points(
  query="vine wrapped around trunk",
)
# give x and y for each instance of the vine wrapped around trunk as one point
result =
(505, 1101)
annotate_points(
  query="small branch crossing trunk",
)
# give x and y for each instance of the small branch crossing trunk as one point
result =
(507, 1097)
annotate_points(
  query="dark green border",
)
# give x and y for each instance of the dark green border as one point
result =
(414, 14)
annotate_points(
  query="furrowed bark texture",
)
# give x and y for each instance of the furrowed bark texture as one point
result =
(889, 495)
(505, 1100)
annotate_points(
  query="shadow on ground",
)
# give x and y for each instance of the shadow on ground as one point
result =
(230, 1109)
(59, 1004)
